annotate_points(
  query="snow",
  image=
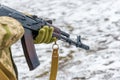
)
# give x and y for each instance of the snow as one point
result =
(98, 23)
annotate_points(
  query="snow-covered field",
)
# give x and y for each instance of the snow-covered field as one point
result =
(98, 23)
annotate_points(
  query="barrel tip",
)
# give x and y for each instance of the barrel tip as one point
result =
(87, 48)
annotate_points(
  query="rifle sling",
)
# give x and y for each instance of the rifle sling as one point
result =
(54, 64)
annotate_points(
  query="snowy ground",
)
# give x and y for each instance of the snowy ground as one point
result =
(98, 23)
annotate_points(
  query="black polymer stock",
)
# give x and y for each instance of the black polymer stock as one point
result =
(31, 25)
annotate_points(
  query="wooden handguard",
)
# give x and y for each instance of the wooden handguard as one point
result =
(29, 50)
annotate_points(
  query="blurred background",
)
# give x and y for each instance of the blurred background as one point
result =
(98, 23)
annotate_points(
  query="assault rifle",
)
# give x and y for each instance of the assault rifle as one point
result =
(31, 25)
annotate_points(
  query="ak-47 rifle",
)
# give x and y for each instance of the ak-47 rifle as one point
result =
(31, 25)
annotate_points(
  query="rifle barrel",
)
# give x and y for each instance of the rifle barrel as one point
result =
(71, 42)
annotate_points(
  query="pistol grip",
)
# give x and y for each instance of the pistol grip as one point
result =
(29, 49)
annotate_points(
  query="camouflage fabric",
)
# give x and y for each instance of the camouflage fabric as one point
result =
(10, 31)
